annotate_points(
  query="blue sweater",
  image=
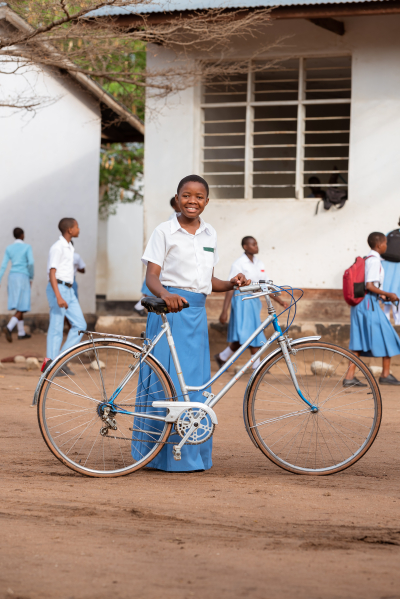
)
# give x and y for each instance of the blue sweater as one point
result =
(21, 257)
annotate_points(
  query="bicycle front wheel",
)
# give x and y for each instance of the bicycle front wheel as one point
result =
(86, 431)
(306, 442)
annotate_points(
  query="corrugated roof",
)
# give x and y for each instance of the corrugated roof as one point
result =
(181, 5)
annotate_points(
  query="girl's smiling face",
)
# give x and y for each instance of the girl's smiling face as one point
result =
(192, 199)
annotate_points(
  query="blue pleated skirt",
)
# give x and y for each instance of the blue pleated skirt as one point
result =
(244, 319)
(392, 277)
(370, 331)
(19, 292)
(145, 290)
(190, 331)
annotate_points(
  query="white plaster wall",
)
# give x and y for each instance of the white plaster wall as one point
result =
(49, 169)
(124, 251)
(298, 247)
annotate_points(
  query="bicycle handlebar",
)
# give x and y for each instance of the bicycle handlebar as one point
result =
(257, 287)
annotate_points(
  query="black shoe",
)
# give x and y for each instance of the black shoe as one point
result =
(219, 361)
(354, 382)
(8, 334)
(65, 371)
(140, 312)
(26, 336)
(388, 380)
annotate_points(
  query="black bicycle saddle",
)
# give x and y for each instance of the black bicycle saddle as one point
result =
(157, 305)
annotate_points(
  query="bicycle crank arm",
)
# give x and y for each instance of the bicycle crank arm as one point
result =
(175, 409)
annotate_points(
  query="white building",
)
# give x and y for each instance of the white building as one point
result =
(49, 169)
(330, 103)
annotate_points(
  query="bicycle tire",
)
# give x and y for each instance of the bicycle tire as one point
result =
(366, 411)
(51, 382)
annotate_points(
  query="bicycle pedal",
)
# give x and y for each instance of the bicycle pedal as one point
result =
(177, 453)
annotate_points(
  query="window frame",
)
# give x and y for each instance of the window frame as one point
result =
(250, 104)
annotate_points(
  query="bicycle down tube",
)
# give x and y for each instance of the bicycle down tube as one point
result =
(212, 400)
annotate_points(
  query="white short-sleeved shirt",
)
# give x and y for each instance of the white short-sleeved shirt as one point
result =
(374, 272)
(187, 261)
(78, 263)
(61, 257)
(253, 270)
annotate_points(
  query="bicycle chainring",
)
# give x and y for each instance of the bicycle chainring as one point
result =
(203, 431)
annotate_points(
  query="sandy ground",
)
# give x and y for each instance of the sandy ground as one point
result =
(243, 529)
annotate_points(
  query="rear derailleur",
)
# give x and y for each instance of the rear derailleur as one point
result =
(109, 422)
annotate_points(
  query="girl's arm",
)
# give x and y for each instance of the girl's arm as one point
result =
(221, 286)
(31, 263)
(173, 300)
(4, 264)
(392, 297)
(227, 300)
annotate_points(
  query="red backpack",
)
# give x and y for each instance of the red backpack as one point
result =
(354, 282)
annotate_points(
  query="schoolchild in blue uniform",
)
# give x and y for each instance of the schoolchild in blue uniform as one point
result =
(245, 315)
(19, 282)
(392, 284)
(60, 294)
(145, 291)
(371, 334)
(180, 258)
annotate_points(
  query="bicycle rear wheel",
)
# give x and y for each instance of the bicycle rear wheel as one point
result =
(71, 408)
(290, 434)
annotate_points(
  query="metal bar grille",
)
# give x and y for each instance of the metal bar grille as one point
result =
(301, 110)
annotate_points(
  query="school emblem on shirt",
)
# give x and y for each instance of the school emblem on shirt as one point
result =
(208, 249)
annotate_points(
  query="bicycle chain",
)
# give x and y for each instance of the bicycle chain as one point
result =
(130, 440)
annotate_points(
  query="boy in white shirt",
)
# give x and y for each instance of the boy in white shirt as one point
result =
(245, 315)
(60, 294)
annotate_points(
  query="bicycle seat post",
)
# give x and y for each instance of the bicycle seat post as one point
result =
(175, 358)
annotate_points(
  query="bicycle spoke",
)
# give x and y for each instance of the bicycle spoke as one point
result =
(72, 410)
(319, 441)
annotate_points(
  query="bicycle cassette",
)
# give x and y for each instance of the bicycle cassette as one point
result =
(202, 421)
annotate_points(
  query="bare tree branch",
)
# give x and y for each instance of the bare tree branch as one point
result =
(68, 36)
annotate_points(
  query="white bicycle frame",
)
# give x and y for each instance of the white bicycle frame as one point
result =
(176, 408)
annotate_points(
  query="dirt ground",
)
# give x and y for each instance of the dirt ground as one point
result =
(243, 529)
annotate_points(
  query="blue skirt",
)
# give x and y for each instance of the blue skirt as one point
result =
(190, 331)
(245, 318)
(370, 331)
(145, 290)
(392, 277)
(19, 292)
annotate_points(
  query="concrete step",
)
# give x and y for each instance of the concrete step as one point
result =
(132, 326)
(39, 323)
(322, 305)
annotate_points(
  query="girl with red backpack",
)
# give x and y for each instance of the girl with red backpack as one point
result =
(371, 334)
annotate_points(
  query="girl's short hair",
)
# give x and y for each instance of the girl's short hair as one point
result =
(246, 240)
(375, 238)
(194, 178)
(18, 232)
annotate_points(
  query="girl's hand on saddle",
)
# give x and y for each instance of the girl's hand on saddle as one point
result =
(173, 300)
(240, 281)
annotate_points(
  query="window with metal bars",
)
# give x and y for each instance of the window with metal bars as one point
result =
(266, 132)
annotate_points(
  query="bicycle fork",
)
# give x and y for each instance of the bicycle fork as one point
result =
(283, 343)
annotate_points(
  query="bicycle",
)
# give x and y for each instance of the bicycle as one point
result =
(117, 412)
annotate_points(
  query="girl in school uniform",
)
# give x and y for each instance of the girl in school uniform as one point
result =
(371, 334)
(392, 284)
(245, 315)
(19, 282)
(180, 258)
